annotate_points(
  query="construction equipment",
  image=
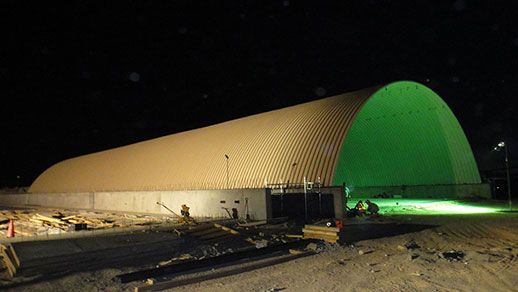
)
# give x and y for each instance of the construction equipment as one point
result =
(185, 218)
(228, 212)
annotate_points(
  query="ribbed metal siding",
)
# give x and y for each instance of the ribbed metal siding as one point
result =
(263, 146)
(287, 144)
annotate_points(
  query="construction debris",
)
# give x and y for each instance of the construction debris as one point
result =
(224, 272)
(328, 234)
(30, 223)
(182, 257)
(211, 232)
(209, 263)
(9, 263)
(257, 223)
(185, 218)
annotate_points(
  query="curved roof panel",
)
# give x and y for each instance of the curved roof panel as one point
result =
(288, 144)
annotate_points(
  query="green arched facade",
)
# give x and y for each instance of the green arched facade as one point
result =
(405, 134)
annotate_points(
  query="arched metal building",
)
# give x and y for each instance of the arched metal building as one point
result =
(398, 134)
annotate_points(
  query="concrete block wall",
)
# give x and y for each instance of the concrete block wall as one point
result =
(211, 203)
(205, 203)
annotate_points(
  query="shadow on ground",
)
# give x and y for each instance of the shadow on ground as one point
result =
(358, 232)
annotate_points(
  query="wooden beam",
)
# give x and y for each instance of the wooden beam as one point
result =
(320, 236)
(318, 232)
(323, 228)
(11, 269)
(12, 254)
(294, 235)
(219, 239)
(226, 229)
(253, 223)
(199, 228)
(214, 234)
(222, 273)
(206, 231)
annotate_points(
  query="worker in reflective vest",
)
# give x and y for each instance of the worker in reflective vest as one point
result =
(360, 208)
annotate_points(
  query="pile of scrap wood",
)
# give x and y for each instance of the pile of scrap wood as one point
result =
(329, 234)
(31, 223)
(211, 232)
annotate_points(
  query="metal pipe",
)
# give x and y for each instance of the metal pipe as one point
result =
(305, 200)
(508, 178)
(320, 204)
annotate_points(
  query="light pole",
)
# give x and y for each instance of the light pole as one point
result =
(497, 148)
(226, 156)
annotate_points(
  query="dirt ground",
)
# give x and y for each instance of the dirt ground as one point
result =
(459, 253)
(471, 252)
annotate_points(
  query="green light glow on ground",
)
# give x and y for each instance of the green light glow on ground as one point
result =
(451, 207)
(433, 206)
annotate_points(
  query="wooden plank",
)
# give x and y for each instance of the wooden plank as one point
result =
(318, 231)
(219, 239)
(222, 273)
(49, 219)
(230, 230)
(253, 223)
(12, 254)
(11, 269)
(23, 233)
(323, 228)
(326, 240)
(294, 235)
(316, 236)
(198, 228)
(226, 228)
(213, 235)
(204, 232)
(312, 236)
(321, 236)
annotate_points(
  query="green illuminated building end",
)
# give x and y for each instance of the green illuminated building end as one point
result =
(405, 134)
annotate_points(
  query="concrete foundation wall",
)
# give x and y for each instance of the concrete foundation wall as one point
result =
(211, 203)
(206, 203)
(463, 191)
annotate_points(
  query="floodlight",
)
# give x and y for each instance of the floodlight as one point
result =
(501, 145)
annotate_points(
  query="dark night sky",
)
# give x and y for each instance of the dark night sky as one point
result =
(93, 75)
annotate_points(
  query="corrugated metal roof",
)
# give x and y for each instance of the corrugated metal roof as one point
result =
(286, 144)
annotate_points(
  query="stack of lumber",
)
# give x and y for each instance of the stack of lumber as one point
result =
(328, 234)
(30, 223)
(211, 232)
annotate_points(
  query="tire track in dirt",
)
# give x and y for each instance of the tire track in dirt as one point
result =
(496, 259)
(495, 272)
